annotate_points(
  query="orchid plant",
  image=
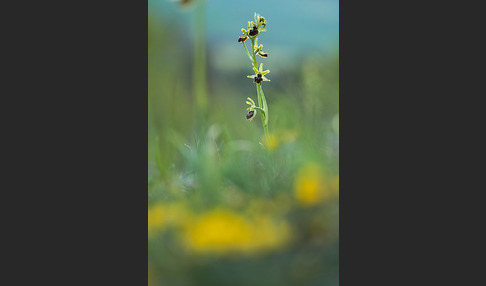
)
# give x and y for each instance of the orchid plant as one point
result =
(253, 30)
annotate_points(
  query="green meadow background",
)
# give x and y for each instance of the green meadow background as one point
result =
(227, 206)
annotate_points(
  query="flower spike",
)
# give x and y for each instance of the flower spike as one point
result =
(254, 28)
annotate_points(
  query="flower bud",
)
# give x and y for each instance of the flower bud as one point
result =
(262, 21)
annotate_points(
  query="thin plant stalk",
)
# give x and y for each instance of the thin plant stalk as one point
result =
(199, 72)
(254, 29)
(262, 97)
(259, 88)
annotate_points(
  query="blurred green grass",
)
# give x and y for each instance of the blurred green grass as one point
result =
(204, 160)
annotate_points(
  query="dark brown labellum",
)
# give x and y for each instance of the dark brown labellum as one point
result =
(258, 78)
(253, 31)
(242, 39)
(263, 54)
(250, 114)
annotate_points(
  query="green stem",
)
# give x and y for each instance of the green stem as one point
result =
(255, 64)
(199, 72)
(248, 53)
(259, 90)
(265, 106)
(260, 97)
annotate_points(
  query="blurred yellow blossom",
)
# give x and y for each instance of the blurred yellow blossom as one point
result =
(219, 231)
(155, 219)
(271, 142)
(309, 187)
(224, 231)
(162, 215)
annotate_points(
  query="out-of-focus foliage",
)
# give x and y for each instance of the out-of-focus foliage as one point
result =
(227, 206)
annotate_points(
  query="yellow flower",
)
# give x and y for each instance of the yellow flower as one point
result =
(161, 216)
(219, 231)
(224, 231)
(155, 219)
(271, 142)
(309, 188)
